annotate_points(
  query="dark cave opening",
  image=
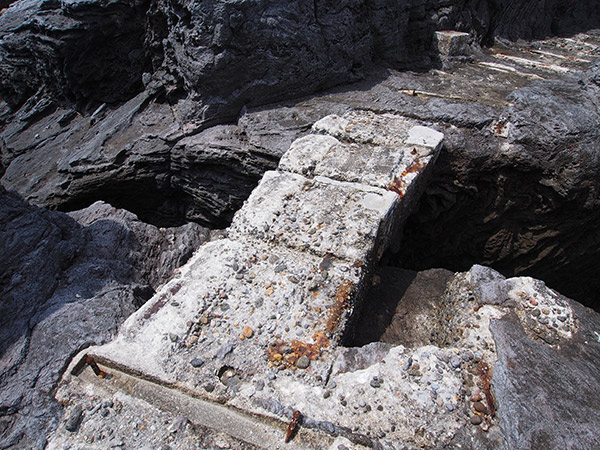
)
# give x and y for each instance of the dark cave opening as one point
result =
(206, 194)
(153, 202)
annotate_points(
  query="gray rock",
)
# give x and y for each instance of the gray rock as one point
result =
(327, 427)
(224, 351)
(356, 358)
(197, 362)
(375, 382)
(81, 280)
(488, 285)
(85, 55)
(455, 362)
(303, 362)
(528, 389)
(74, 419)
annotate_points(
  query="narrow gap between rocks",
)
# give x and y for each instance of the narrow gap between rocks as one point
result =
(506, 220)
(510, 221)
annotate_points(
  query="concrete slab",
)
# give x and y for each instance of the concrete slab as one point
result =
(350, 221)
(257, 321)
(239, 305)
(365, 127)
(452, 43)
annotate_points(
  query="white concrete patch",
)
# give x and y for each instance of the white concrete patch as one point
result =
(425, 136)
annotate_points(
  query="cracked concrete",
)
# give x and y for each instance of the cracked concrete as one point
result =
(270, 304)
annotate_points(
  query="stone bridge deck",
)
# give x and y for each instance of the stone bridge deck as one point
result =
(255, 321)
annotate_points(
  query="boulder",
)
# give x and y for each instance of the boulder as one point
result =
(69, 282)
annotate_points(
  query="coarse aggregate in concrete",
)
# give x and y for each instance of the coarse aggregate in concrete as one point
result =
(257, 320)
(348, 221)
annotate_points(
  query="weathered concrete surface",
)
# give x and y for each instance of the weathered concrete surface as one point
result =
(256, 304)
(476, 381)
(538, 405)
(359, 178)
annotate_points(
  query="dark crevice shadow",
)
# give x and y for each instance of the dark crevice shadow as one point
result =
(377, 310)
(402, 307)
(519, 228)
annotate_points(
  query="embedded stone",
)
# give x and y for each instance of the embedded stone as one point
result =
(452, 43)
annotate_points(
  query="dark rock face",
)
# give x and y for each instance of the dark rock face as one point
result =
(138, 158)
(261, 49)
(513, 19)
(72, 50)
(536, 406)
(67, 283)
(269, 50)
(200, 64)
(225, 55)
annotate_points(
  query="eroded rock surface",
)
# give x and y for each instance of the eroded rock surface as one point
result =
(84, 52)
(515, 187)
(520, 194)
(521, 120)
(69, 282)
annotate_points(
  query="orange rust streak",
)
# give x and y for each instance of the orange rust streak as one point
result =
(397, 184)
(321, 339)
(275, 354)
(293, 425)
(485, 374)
(340, 305)
(311, 351)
